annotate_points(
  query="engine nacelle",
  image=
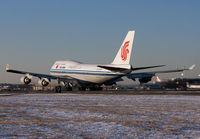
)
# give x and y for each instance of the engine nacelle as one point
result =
(144, 80)
(25, 80)
(43, 82)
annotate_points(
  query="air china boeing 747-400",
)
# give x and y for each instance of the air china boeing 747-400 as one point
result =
(75, 75)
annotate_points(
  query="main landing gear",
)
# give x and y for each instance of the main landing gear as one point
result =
(58, 89)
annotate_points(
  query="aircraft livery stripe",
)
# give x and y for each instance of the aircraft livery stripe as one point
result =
(85, 73)
(79, 70)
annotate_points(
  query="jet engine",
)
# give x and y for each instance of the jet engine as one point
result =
(144, 80)
(43, 82)
(25, 80)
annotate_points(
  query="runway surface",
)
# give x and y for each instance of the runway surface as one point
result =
(99, 116)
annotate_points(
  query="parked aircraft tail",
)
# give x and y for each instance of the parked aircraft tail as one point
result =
(7, 67)
(192, 67)
(157, 79)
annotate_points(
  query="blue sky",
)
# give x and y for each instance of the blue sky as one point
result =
(34, 34)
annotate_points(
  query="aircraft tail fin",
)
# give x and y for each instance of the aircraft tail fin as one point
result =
(157, 79)
(124, 53)
(7, 67)
(192, 67)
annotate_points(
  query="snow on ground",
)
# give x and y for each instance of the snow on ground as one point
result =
(99, 116)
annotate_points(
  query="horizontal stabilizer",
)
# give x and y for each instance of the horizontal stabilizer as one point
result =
(115, 68)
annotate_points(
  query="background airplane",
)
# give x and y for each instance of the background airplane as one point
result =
(78, 76)
(179, 83)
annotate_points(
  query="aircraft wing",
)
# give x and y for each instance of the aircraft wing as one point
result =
(39, 75)
(144, 77)
(141, 68)
(120, 68)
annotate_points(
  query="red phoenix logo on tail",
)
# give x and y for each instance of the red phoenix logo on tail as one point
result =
(124, 51)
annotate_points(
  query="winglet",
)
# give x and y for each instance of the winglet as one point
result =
(192, 67)
(7, 67)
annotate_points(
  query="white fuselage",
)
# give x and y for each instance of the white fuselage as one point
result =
(83, 72)
(193, 86)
